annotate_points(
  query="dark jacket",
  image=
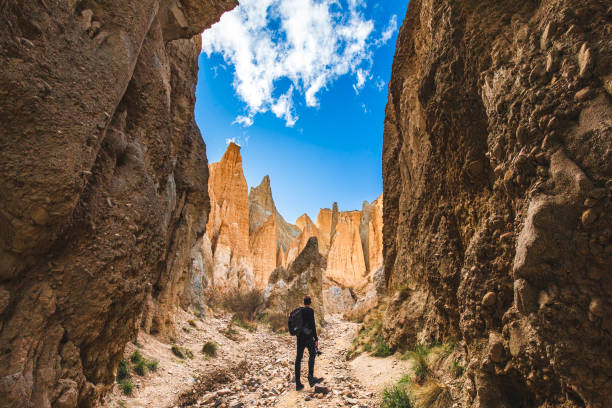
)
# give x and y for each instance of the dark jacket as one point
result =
(310, 328)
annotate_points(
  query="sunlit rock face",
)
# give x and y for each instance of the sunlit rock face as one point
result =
(351, 241)
(497, 181)
(270, 234)
(103, 187)
(228, 223)
(346, 263)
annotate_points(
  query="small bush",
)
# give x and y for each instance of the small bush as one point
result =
(192, 323)
(434, 395)
(136, 357)
(186, 329)
(396, 397)
(127, 387)
(405, 380)
(152, 365)
(231, 333)
(136, 343)
(456, 368)
(182, 352)
(277, 322)
(421, 367)
(382, 350)
(210, 348)
(123, 370)
(140, 367)
(237, 320)
(243, 303)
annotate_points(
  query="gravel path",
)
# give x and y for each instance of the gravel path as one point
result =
(255, 371)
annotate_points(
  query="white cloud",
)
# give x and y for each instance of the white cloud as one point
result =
(390, 30)
(232, 140)
(245, 121)
(362, 77)
(299, 45)
(283, 108)
(380, 83)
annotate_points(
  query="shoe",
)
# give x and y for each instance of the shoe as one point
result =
(299, 387)
(314, 380)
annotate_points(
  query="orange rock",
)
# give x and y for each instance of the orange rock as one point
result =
(345, 262)
(264, 251)
(270, 234)
(228, 223)
(375, 241)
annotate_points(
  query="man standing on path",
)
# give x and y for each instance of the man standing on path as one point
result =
(307, 338)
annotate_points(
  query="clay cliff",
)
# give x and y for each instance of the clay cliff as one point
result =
(270, 234)
(228, 223)
(103, 186)
(497, 180)
(350, 240)
(304, 276)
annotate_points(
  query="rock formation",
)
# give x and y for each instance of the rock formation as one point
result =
(270, 234)
(346, 263)
(497, 179)
(103, 186)
(351, 241)
(288, 286)
(228, 224)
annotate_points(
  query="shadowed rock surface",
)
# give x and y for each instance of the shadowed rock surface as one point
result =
(287, 287)
(497, 179)
(103, 185)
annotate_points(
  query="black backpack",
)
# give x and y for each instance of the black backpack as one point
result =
(296, 322)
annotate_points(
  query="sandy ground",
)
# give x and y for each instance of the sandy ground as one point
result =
(269, 379)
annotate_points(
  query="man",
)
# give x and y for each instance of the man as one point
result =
(307, 338)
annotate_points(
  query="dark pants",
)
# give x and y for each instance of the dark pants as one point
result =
(303, 343)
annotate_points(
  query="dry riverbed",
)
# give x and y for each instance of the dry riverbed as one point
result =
(255, 369)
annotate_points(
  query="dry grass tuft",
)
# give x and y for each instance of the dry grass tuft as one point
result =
(434, 394)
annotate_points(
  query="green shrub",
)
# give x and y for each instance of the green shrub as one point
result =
(136, 343)
(405, 380)
(140, 367)
(192, 323)
(456, 368)
(136, 357)
(182, 352)
(210, 348)
(396, 397)
(238, 321)
(382, 350)
(152, 365)
(185, 329)
(123, 370)
(127, 387)
(231, 333)
(421, 367)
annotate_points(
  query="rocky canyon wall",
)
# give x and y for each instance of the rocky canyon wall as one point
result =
(497, 180)
(103, 186)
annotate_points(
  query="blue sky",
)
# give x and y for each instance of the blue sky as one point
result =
(301, 85)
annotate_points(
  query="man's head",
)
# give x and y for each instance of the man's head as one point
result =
(307, 301)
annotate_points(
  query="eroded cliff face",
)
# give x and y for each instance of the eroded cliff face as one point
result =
(350, 240)
(103, 186)
(497, 182)
(228, 224)
(270, 234)
(287, 287)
